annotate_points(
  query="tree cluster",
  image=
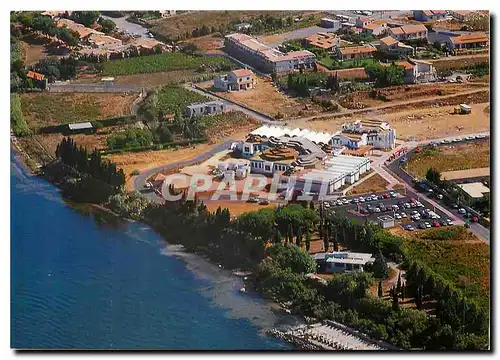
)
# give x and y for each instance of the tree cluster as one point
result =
(385, 76)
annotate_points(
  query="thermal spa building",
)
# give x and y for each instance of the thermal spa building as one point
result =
(309, 155)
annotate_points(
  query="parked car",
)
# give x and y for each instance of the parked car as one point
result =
(436, 224)
(449, 222)
(395, 207)
(462, 211)
(474, 219)
(377, 210)
(326, 205)
(386, 196)
(443, 223)
(393, 194)
(397, 216)
(403, 215)
(410, 228)
(439, 196)
(355, 200)
(382, 207)
(252, 199)
(266, 202)
(361, 199)
(422, 226)
(427, 225)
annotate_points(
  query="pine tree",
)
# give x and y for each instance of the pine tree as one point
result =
(277, 237)
(398, 287)
(380, 291)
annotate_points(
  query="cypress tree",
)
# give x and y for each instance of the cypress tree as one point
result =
(326, 242)
(403, 292)
(298, 237)
(398, 287)
(308, 239)
(395, 302)
(277, 237)
(418, 297)
(289, 234)
(380, 291)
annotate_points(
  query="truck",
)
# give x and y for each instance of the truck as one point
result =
(463, 109)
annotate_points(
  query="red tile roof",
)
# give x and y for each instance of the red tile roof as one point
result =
(357, 50)
(35, 75)
(469, 38)
(242, 72)
(389, 40)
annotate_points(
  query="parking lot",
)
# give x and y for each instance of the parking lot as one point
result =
(403, 209)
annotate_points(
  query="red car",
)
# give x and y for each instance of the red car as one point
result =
(436, 224)
(419, 150)
(386, 196)
(474, 219)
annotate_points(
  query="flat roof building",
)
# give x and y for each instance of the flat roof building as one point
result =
(338, 262)
(475, 190)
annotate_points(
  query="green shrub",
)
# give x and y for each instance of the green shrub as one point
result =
(17, 122)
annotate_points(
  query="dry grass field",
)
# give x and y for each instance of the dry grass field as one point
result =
(451, 158)
(374, 184)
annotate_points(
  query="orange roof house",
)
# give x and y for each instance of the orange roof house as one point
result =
(356, 52)
(323, 41)
(35, 75)
(388, 41)
(242, 72)
(408, 32)
(470, 40)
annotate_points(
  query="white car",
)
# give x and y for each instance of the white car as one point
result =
(419, 204)
(427, 225)
(345, 201)
(397, 216)
(403, 215)
(339, 203)
(449, 222)
(395, 207)
(462, 211)
(439, 196)
(327, 205)
(377, 210)
(356, 200)
(361, 199)
(407, 205)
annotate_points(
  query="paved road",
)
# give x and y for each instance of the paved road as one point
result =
(393, 166)
(266, 119)
(132, 28)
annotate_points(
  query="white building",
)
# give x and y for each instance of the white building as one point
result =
(338, 262)
(241, 79)
(374, 132)
(205, 108)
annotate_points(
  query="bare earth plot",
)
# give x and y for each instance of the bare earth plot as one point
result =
(266, 99)
(423, 123)
(464, 174)
(207, 42)
(374, 184)
(450, 158)
(45, 109)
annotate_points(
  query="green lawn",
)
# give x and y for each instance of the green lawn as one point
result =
(334, 64)
(163, 62)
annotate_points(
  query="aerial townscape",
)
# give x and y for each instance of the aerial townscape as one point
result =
(327, 169)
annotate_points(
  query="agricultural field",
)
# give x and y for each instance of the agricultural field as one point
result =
(374, 183)
(459, 62)
(151, 80)
(45, 109)
(450, 158)
(169, 100)
(163, 62)
(457, 256)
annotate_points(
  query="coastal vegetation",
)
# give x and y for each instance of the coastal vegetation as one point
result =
(17, 122)
(164, 62)
(84, 177)
(433, 309)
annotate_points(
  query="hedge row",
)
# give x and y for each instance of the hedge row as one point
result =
(156, 146)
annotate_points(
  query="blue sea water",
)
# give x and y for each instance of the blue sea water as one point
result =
(76, 284)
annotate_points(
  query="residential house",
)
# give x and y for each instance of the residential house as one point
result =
(323, 40)
(76, 128)
(241, 79)
(330, 24)
(39, 80)
(409, 32)
(362, 21)
(461, 15)
(468, 41)
(56, 14)
(103, 41)
(83, 31)
(339, 262)
(429, 15)
(356, 52)
(417, 71)
(390, 45)
(149, 46)
(261, 56)
(167, 13)
(205, 108)
(375, 28)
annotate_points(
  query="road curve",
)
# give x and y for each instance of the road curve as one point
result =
(140, 180)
